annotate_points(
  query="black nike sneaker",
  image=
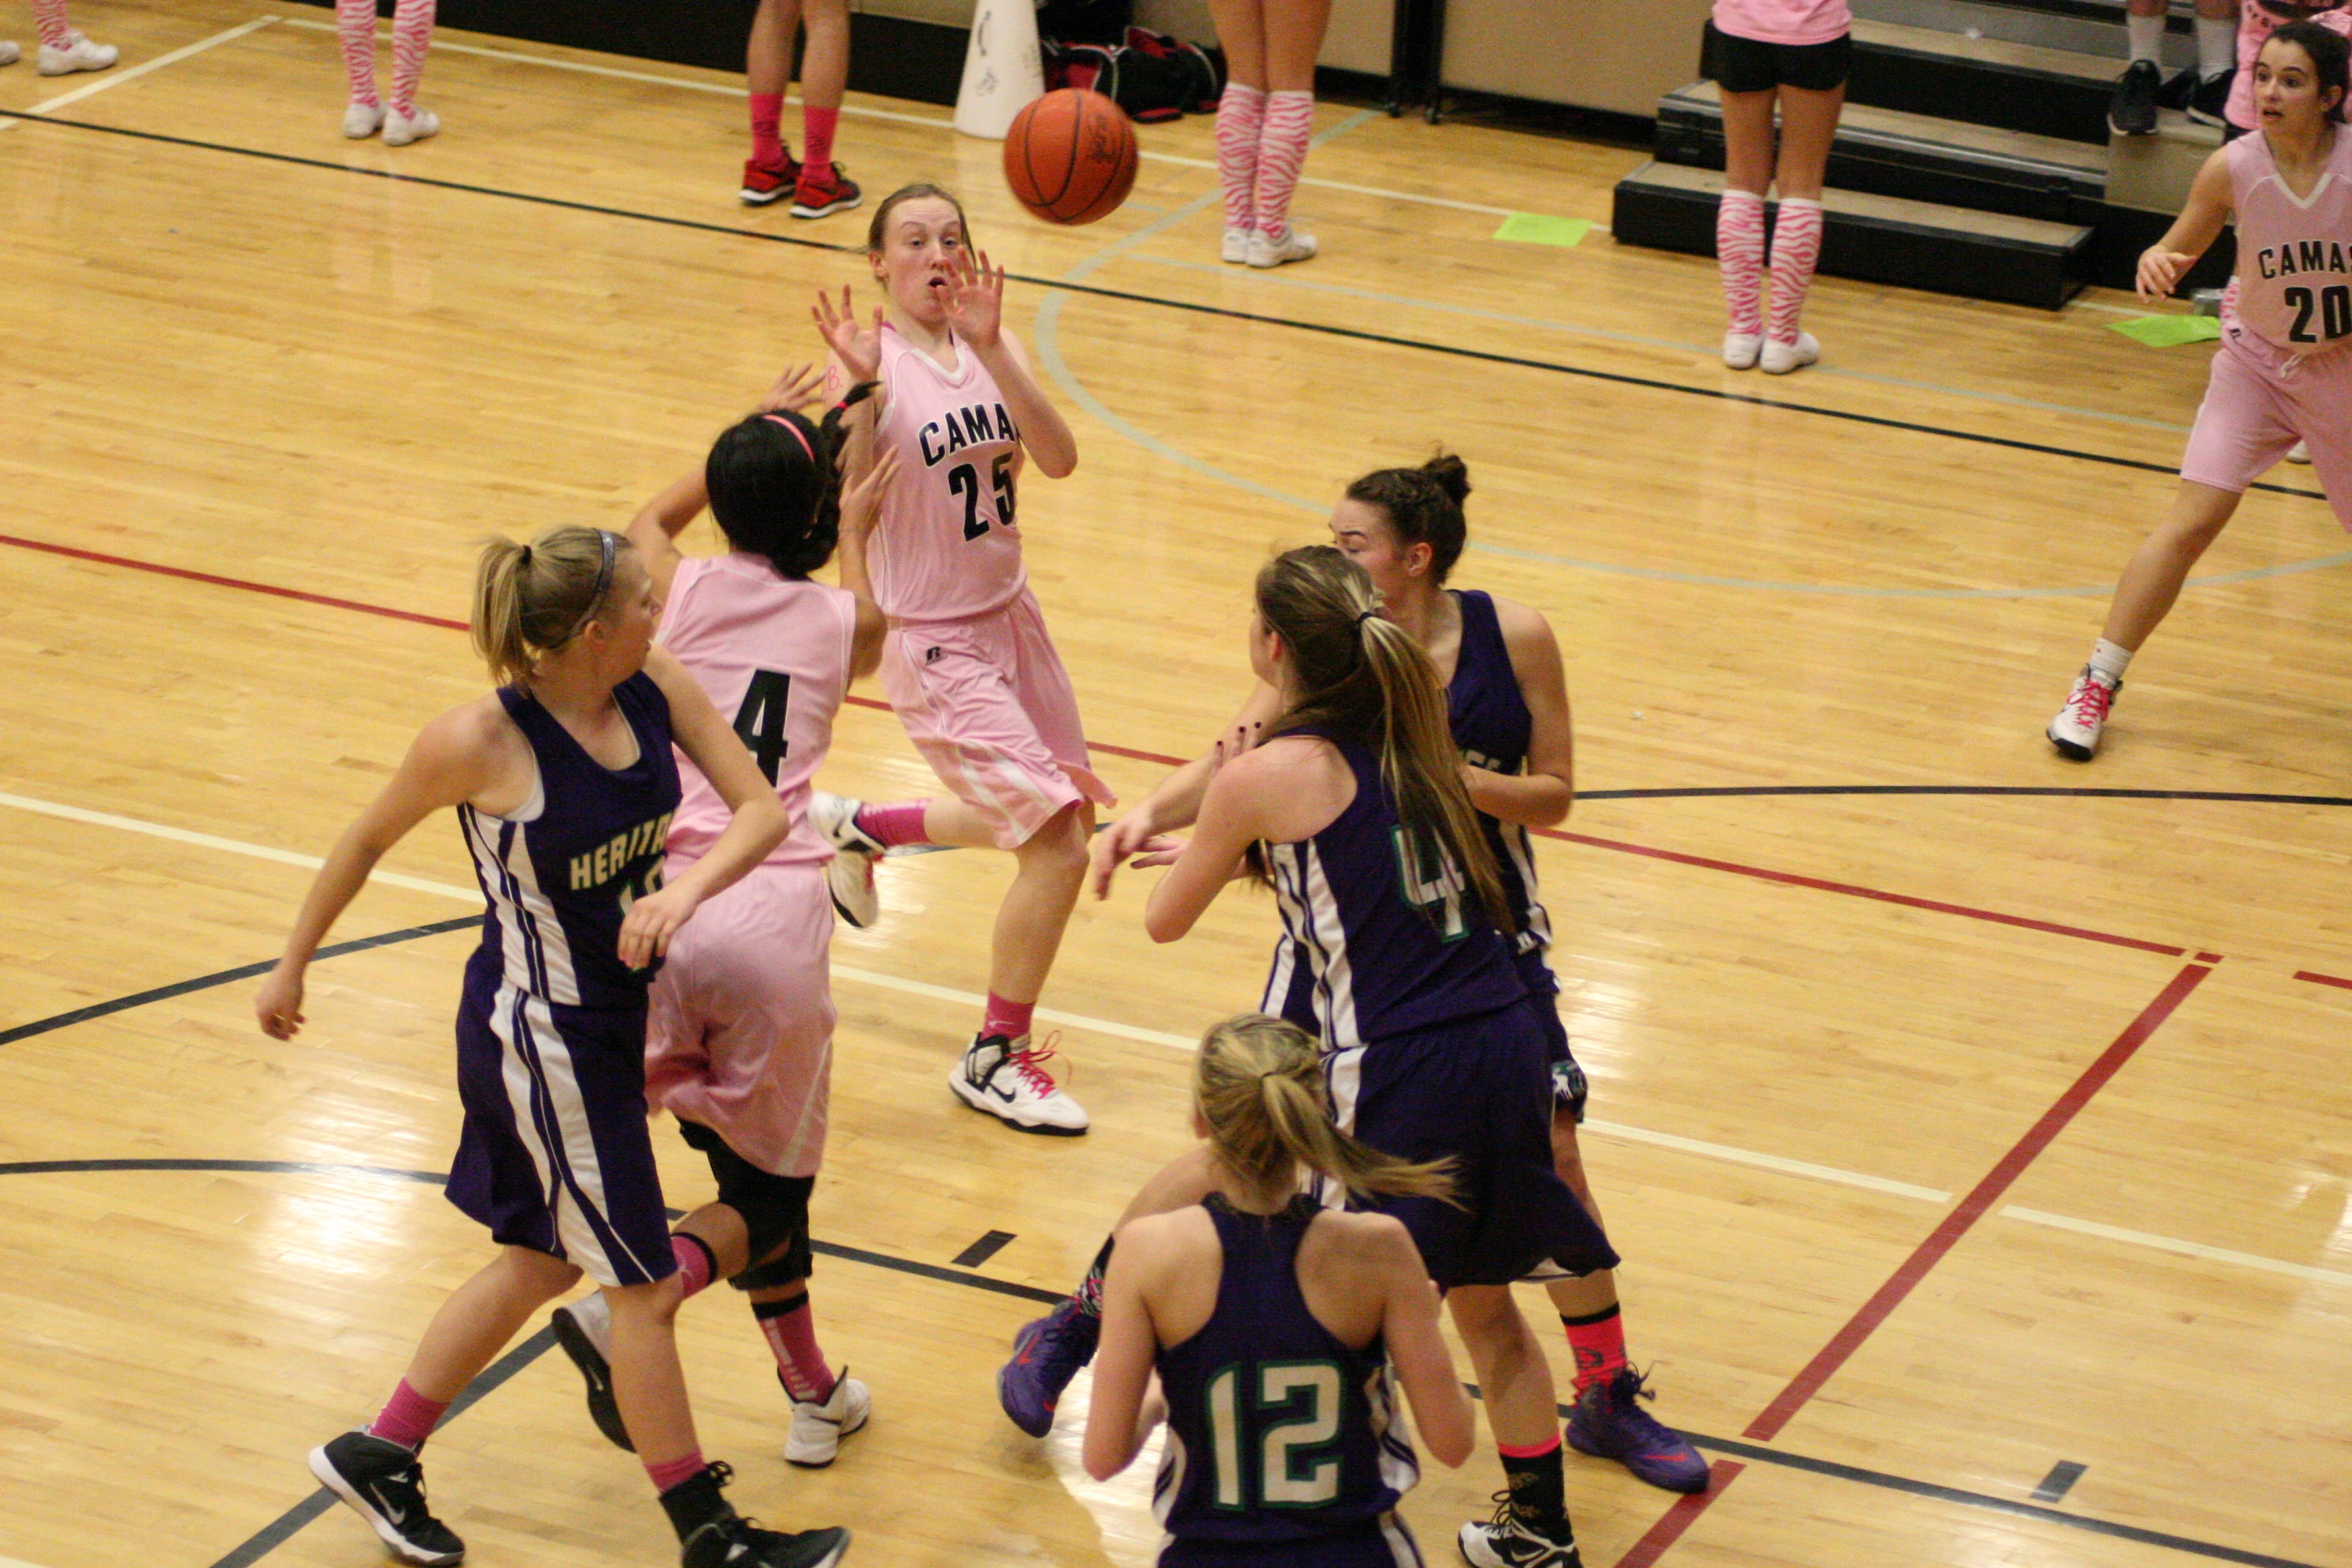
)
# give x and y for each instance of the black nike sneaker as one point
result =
(2133, 112)
(384, 1483)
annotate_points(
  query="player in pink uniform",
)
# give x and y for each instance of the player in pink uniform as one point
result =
(967, 665)
(2279, 372)
(738, 1040)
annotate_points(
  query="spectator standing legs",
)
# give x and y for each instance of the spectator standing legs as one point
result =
(1270, 47)
(400, 120)
(815, 182)
(62, 51)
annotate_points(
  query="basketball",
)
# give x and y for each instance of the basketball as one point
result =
(1070, 156)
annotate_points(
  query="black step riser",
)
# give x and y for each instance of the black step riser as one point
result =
(1981, 94)
(1974, 266)
(1696, 141)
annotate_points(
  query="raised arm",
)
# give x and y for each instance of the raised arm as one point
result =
(1541, 795)
(975, 309)
(859, 504)
(759, 825)
(455, 758)
(2162, 265)
(660, 522)
(1440, 1410)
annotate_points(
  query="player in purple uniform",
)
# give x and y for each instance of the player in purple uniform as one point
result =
(1354, 809)
(1506, 701)
(564, 784)
(1274, 1325)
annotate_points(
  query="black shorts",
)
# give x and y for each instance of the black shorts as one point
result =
(1744, 65)
(781, 1202)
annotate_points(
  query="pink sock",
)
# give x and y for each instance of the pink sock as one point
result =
(1241, 119)
(1010, 1019)
(1534, 1451)
(1796, 246)
(673, 1472)
(411, 35)
(1739, 256)
(50, 21)
(790, 1333)
(817, 129)
(407, 1419)
(695, 1263)
(891, 825)
(767, 139)
(1281, 154)
(356, 19)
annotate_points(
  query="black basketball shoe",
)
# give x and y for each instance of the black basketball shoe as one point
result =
(384, 1484)
(2133, 112)
(711, 1534)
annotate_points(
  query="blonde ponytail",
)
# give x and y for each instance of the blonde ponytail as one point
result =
(531, 599)
(1259, 1085)
(1363, 677)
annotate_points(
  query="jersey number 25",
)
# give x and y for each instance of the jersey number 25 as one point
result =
(963, 480)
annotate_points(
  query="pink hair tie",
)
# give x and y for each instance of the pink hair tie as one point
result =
(780, 419)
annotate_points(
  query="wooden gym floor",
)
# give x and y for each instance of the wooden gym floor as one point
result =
(1959, 1125)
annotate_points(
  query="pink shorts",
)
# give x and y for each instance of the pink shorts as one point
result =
(740, 1032)
(2259, 402)
(987, 703)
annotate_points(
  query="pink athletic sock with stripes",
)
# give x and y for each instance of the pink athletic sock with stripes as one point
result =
(407, 1419)
(696, 1263)
(791, 1333)
(49, 22)
(1796, 246)
(891, 825)
(356, 20)
(411, 35)
(1241, 119)
(817, 129)
(1281, 154)
(1740, 257)
(767, 129)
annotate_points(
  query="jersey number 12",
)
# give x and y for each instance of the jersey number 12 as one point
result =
(1290, 1474)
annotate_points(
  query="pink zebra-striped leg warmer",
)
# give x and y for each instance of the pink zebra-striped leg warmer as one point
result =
(1796, 246)
(356, 20)
(50, 21)
(1241, 119)
(1281, 154)
(1740, 257)
(411, 35)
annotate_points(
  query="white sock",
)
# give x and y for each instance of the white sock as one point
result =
(2147, 35)
(2217, 46)
(2110, 660)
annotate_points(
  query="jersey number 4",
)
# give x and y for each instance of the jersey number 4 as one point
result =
(2334, 307)
(1433, 883)
(963, 479)
(760, 719)
(1290, 1472)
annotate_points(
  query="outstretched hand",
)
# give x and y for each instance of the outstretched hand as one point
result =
(803, 387)
(1129, 841)
(2160, 272)
(859, 349)
(976, 299)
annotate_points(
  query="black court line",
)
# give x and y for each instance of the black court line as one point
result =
(981, 1251)
(294, 1518)
(1483, 356)
(2058, 791)
(2059, 1481)
(225, 977)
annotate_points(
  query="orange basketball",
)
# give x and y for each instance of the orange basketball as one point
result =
(1070, 156)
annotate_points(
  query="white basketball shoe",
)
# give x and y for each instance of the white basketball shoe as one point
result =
(850, 875)
(1741, 349)
(400, 130)
(79, 54)
(1005, 1078)
(1274, 249)
(2075, 731)
(1779, 358)
(362, 121)
(9, 53)
(818, 1427)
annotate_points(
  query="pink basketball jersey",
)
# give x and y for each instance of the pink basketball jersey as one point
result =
(773, 655)
(2295, 287)
(945, 545)
(1787, 22)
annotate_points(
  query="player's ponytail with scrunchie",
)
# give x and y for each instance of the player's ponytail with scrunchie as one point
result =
(1363, 678)
(775, 485)
(1259, 1085)
(531, 599)
(1423, 505)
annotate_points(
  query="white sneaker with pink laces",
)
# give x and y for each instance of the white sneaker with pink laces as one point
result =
(1007, 1079)
(2075, 731)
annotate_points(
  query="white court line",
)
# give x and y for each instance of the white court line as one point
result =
(1767, 1161)
(726, 90)
(2184, 1248)
(119, 76)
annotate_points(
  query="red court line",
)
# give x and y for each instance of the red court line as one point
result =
(2323, 979)
(1906, 899)
(1973, 1208)
(1680, 1516)
(1788, 879)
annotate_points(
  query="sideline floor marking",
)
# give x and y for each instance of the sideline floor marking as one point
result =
(118, 76)
(2184, 1248)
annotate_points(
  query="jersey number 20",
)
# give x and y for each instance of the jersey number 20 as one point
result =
(1290, 1474)
(963, 479)
(2334, 310)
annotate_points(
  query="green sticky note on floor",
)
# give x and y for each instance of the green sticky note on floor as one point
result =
(2169, 331)
(1540, 229)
